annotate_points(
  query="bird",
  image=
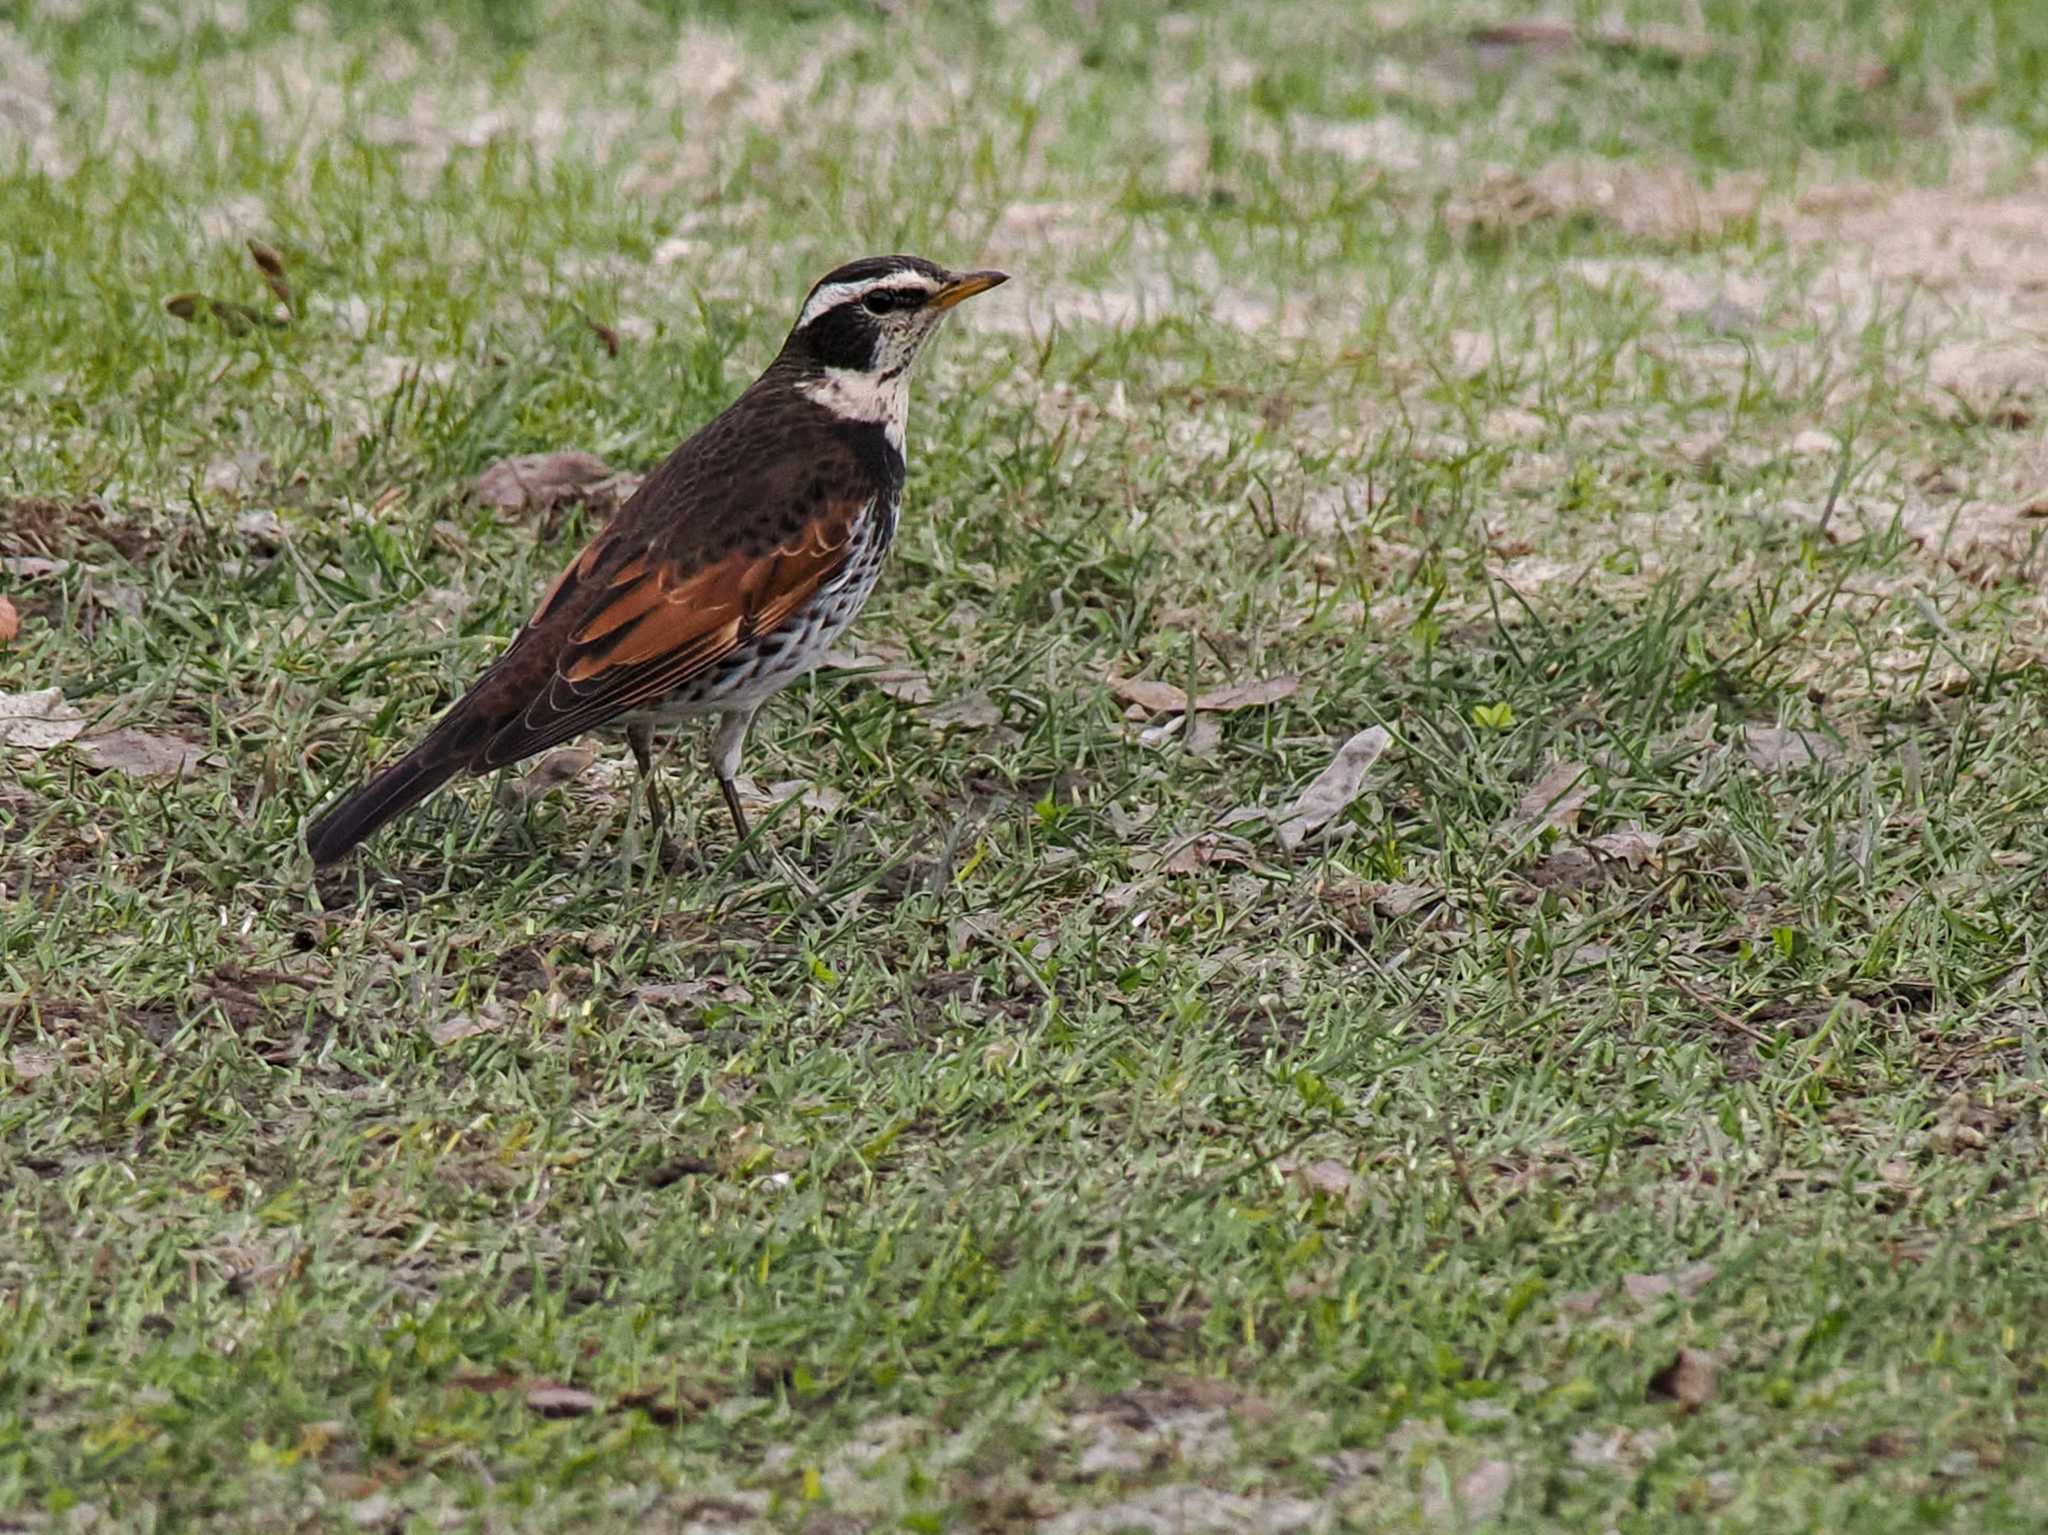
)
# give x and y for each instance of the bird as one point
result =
(729, 572)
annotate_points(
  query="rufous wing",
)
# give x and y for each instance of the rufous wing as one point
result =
(627, 632)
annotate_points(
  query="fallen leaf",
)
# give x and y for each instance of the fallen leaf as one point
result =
(263, 530)
(1193, 856)
(970, 711)
(1152, 737)
(236, 474)
(1776, 749)
(822, 798)
(1334, 788)
(462, 1026)
(536, 481)
(1553, 802)
(1586, 1302)
(1122, 896)
(1665, 43)
(703, 990)
(1618, 1446)
(1399, 899)
(1481, 1492)
(30, 1062)
(1151, 696)
(551, 1400)
(556, 769)
(1688, 1380)
(1328, 1177)
(905, 684)
(29, 566)
(380, 1510)
(891, 674)
(1205, 737)
(140, 754)
(495, 1382)
(1248, 695)
(10, 622)
(672, 993)
(38, 721)
(1631, 845)
(1568, 871)
(1685, 1283)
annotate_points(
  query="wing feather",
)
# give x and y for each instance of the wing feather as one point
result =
(650, 628)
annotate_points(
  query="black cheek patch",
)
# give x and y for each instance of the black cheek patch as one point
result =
(842, 337)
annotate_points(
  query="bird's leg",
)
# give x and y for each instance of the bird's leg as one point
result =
(641, 738)
(725, 761)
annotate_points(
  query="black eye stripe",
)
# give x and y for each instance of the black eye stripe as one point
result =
(882, 300)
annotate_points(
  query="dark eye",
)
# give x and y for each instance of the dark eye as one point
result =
(881, 301)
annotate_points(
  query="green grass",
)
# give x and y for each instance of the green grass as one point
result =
(1035, 1177)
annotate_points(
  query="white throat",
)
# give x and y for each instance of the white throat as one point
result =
(852, 395)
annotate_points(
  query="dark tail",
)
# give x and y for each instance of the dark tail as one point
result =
(392, 792)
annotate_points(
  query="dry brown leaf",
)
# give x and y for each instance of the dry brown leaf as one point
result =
(1328, 1177)
(1334, 788)
(236, 474)
(31, 1062)
(1152, 737)
(1193, 856)
(141, 754)
(1631, 845)
(1148, 694)
(1673, 45)
(1554, 801)
(464, 1026)
(891, 674)
(536, 481)
(1586, 1302)
(704, 991)
(1684, 1283)
(1688, 1380)
(1248, 695)
(263, 531)
(1776, 749)
(556, 769)
(553, 1400)
(970, 711)
(1398, 899)
(1481, 1492)
(10, 622)
(905, 684)
(38, 721)
(1151, 696)
(29, 566)
(499, 1381)
(822, 798)
(1205, 737)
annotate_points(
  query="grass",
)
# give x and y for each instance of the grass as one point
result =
(1665, 1159)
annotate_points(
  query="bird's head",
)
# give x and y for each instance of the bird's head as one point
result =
(872, 317)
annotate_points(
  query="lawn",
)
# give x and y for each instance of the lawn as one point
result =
(1626, 1113)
